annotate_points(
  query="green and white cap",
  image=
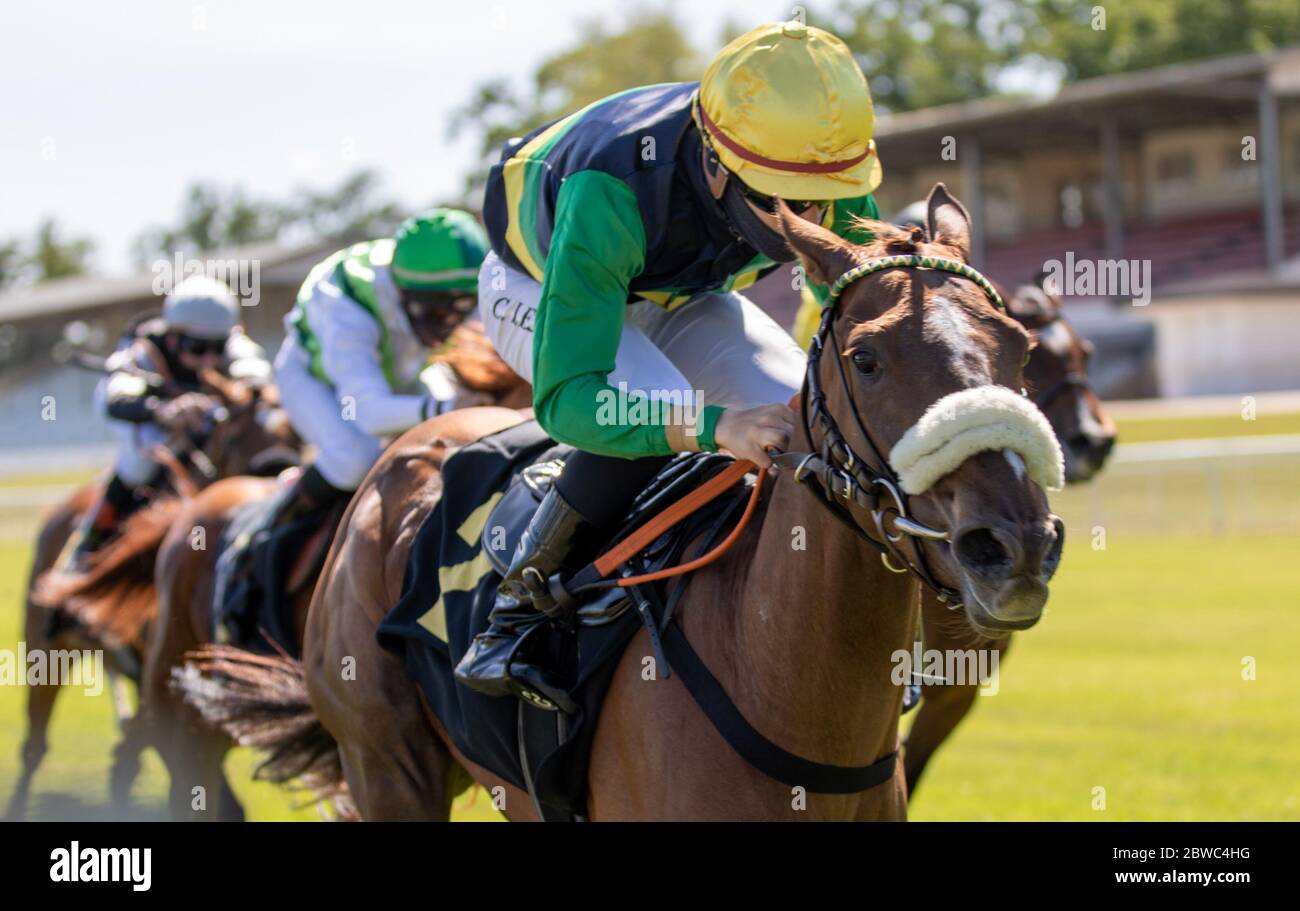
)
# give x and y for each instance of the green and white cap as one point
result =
(439, 250)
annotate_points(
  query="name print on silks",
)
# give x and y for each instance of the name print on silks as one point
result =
(517, 312)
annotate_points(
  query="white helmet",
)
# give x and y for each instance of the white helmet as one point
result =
(202, 307)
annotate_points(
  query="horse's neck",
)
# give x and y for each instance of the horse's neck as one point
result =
(804, 632)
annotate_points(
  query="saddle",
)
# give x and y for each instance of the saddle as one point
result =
(491, 488)
(259, 574)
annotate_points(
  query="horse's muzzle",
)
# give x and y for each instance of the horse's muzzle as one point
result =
(1005, 569)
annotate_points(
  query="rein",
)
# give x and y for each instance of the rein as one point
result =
(845, 476)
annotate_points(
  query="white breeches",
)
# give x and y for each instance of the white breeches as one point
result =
(721, 345)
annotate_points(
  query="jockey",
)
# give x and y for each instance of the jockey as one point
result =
(621, 237)
(353, 369)
(152, 392)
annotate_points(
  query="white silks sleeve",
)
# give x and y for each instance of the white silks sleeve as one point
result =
(349, 339)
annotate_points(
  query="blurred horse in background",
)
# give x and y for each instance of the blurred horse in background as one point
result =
(1056, 378)
(180, 589)
(254, 435)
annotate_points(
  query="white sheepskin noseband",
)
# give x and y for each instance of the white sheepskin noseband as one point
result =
(974, 420)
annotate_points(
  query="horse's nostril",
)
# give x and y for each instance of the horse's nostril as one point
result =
(979, 550)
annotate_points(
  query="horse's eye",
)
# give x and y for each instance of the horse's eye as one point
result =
(866, 362)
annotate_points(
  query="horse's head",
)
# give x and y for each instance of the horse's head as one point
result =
(478, 367)
(256, 436)
(1057, 379)
(921, 374)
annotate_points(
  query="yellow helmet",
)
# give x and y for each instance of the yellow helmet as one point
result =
(787, 110)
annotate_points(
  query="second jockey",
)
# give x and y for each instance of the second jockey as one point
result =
(353, 369)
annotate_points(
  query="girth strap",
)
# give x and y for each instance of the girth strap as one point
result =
(753, 747)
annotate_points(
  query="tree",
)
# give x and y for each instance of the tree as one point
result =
(351, 210)
(651, 48)
(53, 257)
(49, 256)
(1140, 34)
(212, 218)
(921, 53)
(11, 263)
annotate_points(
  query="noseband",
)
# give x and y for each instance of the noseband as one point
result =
(1072, 380)
(843, 474)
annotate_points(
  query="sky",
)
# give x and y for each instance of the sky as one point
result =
(111, 110)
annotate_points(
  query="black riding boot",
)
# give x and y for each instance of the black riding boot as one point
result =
(523, 603)
(117, 504)
(310, 494)
(592, 493)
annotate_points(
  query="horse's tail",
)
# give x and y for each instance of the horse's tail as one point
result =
(261, 702)
(114, 598)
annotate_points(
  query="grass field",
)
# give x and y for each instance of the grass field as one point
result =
(1132, 682)
(1146, 430)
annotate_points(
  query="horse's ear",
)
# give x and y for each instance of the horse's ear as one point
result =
(1032, 307)
(825, 255)
(948, 220)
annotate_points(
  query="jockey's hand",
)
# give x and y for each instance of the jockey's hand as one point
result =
(471, 398)
(186, 412)
(749, 433)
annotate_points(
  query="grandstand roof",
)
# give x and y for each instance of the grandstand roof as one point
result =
(278, 264)
(1205, 89)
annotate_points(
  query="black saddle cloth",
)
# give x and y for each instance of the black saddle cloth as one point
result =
(253, 606)
(452, 576)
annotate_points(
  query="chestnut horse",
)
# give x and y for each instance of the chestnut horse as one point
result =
(192, 750)
(255, 433)
(805, 641)
(1056, 378)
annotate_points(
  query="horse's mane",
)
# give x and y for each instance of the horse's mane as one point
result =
(889, 239)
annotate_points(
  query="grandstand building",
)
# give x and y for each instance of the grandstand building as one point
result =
(1189, 173)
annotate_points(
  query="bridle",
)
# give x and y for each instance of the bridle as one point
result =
(1072, 380)
(842, 474)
